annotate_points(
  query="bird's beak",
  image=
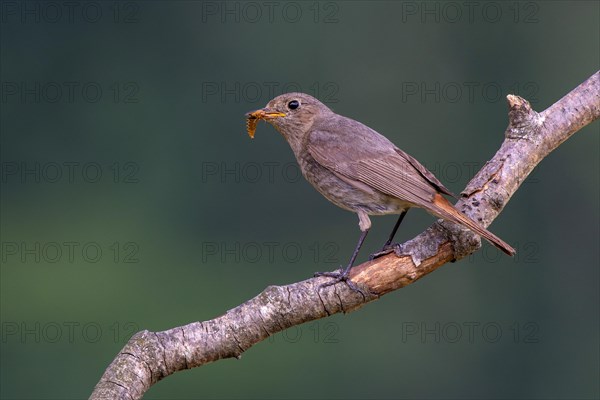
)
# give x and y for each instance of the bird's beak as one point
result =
(254, 116)
(264, 113)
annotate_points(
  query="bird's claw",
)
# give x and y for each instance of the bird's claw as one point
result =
(339, 276)
(387, 249)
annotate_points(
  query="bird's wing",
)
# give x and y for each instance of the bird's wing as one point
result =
(369, 158)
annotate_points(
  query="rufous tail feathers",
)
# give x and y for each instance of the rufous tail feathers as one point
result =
(446, 210)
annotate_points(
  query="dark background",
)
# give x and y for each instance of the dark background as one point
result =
(133, 199)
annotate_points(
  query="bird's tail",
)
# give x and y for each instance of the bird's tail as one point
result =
(446, 210)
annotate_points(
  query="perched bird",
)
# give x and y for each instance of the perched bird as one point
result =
(358, 169)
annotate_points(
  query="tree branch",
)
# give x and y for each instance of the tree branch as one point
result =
(530, 136)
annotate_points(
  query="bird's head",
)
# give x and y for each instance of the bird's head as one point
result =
(292, 114)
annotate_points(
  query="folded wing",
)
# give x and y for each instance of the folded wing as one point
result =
(373, 160)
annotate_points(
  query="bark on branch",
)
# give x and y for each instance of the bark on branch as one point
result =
(150, 356)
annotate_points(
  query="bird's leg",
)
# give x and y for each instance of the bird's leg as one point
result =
(388, 247)
(391, 238)
(343, 275)
(364, 224)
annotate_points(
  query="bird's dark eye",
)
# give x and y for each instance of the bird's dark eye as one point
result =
(292, 105)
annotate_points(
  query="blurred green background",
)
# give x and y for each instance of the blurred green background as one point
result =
(133, 199)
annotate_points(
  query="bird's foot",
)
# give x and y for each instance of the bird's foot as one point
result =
(387, 249)
(340, 276)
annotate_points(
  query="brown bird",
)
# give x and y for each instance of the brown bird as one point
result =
(358, 169)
